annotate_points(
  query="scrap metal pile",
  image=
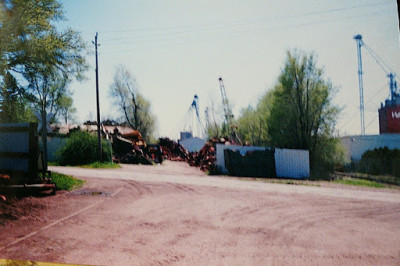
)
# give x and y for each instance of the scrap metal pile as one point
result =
(131, 148)
(205, 158)
(128, 150)
(172, 150)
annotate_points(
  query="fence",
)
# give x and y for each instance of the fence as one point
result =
(262, 161)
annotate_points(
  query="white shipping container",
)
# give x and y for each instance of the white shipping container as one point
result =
(292, 163)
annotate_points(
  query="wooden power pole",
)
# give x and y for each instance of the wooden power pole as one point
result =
(97, 102)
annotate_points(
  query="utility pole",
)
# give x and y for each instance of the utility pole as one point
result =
(97, 102)
(359, 41)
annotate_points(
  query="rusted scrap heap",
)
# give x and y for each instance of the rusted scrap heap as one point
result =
(126, 149)
(205, 158)
(172, 150)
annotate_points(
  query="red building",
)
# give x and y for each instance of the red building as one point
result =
(389, 117)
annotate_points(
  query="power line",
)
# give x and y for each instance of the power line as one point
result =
(357, 111)
(162, 42)
(238, 23)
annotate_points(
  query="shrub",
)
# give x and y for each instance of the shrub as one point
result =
(328, 155)
(81, 148)
(382, 161)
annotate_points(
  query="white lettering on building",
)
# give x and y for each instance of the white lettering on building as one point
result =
(395, 114)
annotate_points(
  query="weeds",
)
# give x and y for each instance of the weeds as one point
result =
(360, 182)
(109, 165)
(66, 182)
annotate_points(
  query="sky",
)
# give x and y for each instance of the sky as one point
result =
(177, 49)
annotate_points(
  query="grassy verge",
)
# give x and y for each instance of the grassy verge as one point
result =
(382, 179)
(280, 181)
(66, 182)
(360, 182)
(350, 181)
(109, 165)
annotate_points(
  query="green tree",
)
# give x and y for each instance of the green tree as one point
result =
(302, 115)
(135, 108)
(213, 122)
(250, 127)
(252, 123)
(65, 109)
(40, 57)
(13, 107)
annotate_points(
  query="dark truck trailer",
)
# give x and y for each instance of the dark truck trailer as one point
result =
(21, 165)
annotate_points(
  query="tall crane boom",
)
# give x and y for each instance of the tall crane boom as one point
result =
(359, 41)
(228, 114)
(394, 93)
(227, 110)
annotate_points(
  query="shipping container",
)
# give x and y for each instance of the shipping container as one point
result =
(292, 163)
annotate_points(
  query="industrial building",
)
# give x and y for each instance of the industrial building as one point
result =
(389, 117)
(389, 114)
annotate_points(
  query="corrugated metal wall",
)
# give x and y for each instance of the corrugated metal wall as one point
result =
(19, 151)
(53, 145)
(356, 146)
(292, 163)
(288, 163)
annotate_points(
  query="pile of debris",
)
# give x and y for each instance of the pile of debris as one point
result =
(126, 149)
(172, 150)
(206, 157)
(129, 147)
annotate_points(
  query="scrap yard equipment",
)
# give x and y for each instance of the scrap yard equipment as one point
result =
(389, 113)
(22, 167)
(230, 128)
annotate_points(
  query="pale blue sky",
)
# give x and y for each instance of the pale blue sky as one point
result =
(177, 49)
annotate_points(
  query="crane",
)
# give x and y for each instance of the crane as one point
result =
(394, 94)
(228, 114)
(192, 115)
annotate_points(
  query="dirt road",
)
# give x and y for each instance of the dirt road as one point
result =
(174, 214)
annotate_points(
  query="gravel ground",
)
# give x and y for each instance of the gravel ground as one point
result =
(174, 214)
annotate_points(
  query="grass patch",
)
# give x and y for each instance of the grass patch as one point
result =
(360, 182)
(382, 179)
(109, 165)
(284, 181)
(66, 182)
(106, 165)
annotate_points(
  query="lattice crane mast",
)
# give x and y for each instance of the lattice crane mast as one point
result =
(228, 114)
(394, 93)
